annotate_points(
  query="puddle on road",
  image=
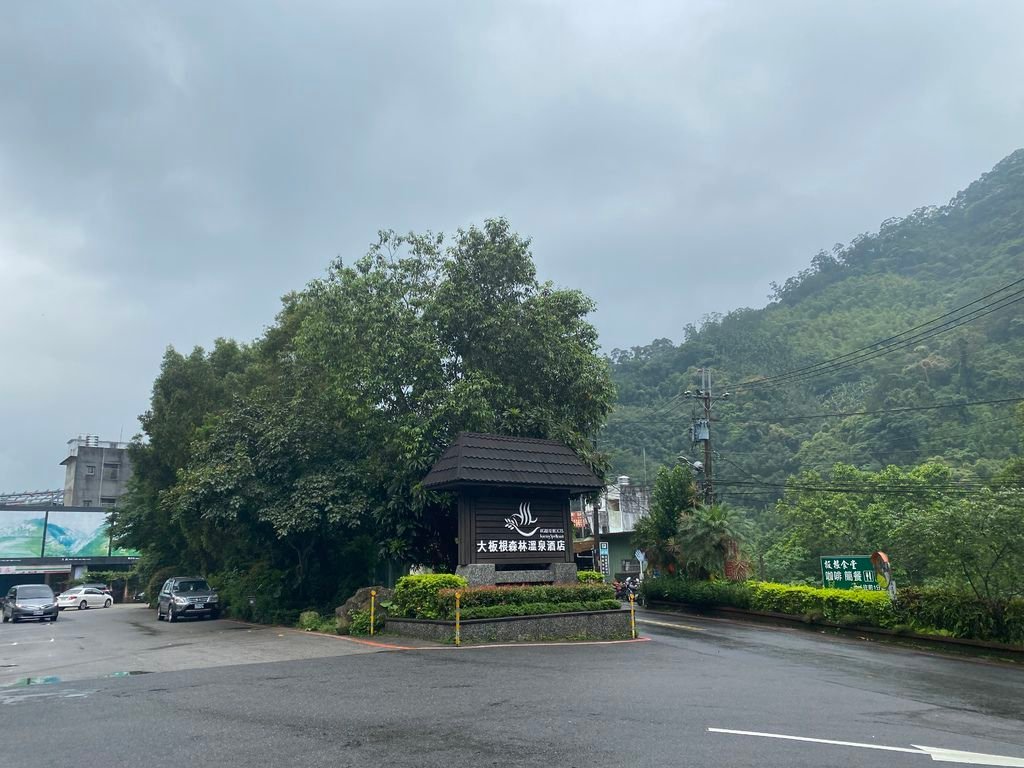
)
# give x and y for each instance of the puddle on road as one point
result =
(24, 681)
(52, 679)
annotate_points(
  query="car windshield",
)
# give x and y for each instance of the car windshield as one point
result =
(192, 586)
(27, 593)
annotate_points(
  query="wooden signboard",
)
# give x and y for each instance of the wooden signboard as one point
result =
(528, 527)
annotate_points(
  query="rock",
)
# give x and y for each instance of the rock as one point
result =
(361, 601)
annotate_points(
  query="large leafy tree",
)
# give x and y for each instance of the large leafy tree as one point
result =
(977, 542)
(358, 387)
(672, 499)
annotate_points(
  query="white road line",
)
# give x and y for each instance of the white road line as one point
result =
(667, 624)
(29, 642)
(972, 758)
(818, 741)
(937, 754)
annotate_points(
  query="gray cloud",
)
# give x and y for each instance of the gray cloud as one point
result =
(167, 172)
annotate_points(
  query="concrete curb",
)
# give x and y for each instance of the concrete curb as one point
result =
(589, 625)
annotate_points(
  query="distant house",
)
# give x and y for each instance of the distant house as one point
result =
(96, 472)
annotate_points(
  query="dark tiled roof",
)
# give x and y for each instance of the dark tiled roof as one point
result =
(476, 459)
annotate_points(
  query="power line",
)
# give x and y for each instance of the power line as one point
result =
(900, 409)
(928, 329)
(770, 419)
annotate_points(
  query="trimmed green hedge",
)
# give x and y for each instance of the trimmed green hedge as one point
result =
(706, 594)
(535, 609)
(590, 577)
(843, 606)
(433, 597)
(417, 597)
(555, 595)
(930, 609)
(962, 615)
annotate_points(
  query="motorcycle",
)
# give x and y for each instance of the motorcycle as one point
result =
(623, 589)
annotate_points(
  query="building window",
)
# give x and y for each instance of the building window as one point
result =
(111, 471)
(108, 501)
(86, 502)
(90, 469)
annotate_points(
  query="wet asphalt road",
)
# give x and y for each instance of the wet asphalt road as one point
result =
(636, 704)
(128, 638)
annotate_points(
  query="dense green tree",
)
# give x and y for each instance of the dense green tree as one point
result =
(977, 542)
(348, 399)
(672, 498)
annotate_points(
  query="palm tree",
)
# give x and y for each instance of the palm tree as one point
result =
(709, 536)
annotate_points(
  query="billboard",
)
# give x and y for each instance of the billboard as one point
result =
(76, 533)
(21, 532)
(57, 532)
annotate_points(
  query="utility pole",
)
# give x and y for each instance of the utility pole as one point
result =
(701, 430)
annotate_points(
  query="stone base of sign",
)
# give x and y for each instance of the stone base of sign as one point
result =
(585, 625)
(486, 575)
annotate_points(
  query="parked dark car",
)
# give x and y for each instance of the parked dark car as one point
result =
(183, 596)
(30, 601)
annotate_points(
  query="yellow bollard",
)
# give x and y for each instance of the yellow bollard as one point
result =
(458, 618)
(373, 601)
(632, 615)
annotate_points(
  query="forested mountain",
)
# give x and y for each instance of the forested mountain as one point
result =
(883, 404)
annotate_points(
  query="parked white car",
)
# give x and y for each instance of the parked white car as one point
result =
(82, 598)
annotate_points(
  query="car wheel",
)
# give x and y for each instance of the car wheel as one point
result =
(83, 605)
(159, 614)
(215, 615)
(107, 603)
(14, 619)
(171, 616)
(53, 618)
(6, 618)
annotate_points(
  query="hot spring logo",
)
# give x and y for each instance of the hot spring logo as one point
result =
(521, 521)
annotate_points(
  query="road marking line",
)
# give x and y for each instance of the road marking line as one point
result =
(667, 624)
(817, 741)
(973, 758)
(937, 754)
(371, 643)
(565, 644)
(30, 642)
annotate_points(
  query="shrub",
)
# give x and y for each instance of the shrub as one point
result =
(735, 594)
(588, 577)
(962, 614)
(482, 597)
(360, 622)
(264, 584)
(328, 625)
(929, 610)
(830, 604)
(416, 597)
(309, 620)
(534, 609)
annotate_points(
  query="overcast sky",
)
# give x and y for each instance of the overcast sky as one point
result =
(168, 171)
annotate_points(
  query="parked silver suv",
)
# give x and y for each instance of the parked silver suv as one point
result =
(183, 596)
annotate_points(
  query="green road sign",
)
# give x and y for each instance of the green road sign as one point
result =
(848, 572)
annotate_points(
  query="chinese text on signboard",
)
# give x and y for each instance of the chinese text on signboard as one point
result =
(848, 572)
